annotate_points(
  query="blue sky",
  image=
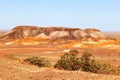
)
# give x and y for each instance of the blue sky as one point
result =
(101, 14)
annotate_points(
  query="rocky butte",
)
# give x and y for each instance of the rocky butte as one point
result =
(53, 33)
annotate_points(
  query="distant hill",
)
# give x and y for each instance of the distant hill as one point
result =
(114, 35)
(3, 31)
(53, 33)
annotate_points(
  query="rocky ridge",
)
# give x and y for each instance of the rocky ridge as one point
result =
(53, 33)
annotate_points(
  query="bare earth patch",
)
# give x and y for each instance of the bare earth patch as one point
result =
(18, 70)
(12, 66)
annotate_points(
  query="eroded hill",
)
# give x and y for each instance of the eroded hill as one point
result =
(52, 33)
(51, 43)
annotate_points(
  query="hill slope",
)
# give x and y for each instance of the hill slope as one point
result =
(52, 33)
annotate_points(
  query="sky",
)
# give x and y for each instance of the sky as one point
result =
(100, 14)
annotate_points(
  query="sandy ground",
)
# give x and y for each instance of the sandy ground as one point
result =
(12, 66)
(17, 70)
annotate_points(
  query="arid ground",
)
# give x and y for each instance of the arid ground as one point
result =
(12, 54)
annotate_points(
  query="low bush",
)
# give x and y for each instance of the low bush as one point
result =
(118, 70)
(102, 68)
(73, 51)
(85, 61)
(41, 62)
(68, 61)
(91, 65)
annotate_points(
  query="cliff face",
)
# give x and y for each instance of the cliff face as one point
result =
(52, 33)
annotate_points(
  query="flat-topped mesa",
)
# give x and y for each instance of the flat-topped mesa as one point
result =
(53, 33)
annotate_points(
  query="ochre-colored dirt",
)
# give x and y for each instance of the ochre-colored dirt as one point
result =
(12, 66)
(17, 70)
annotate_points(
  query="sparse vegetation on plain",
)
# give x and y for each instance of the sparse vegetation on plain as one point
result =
(41, 62)
(91, 65)
(70, 61)
(24, 71)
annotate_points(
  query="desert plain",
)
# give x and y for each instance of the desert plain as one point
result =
(13, 53)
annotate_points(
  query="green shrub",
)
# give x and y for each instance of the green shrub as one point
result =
(98, 67)
(118, 70)
(73, 51)
(41, 62)
(85, 61)
(91, 65)
(68, 61)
